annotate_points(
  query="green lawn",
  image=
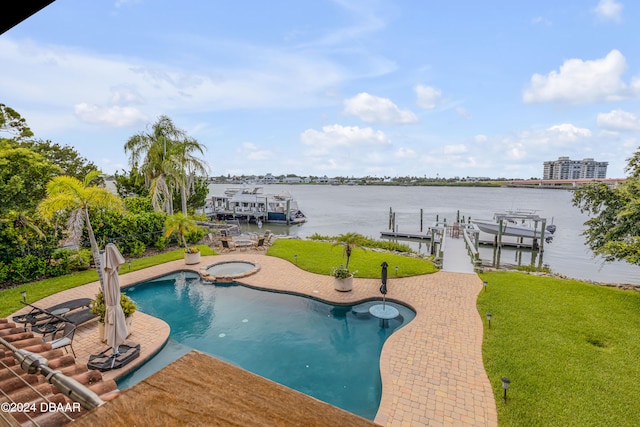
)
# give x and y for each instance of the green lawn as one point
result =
(321, 257)
(570, 349)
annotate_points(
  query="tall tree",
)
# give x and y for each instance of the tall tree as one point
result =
(189, 166)
(66, 194)
(166, 157)
(23, 177)
(64, 156)
(12, 122)
(613, 229)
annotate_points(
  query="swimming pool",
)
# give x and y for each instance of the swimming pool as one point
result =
(329, 352)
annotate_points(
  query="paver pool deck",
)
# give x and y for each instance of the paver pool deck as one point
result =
(432, 370)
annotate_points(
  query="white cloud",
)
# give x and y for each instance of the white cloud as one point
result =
(115, 116)
(609, 10)
(618, 120)
(480, 138)
(428, 97)
(405, 153)
(454, 149)
(252, 151)
(373, 109)
(568, 132)
(462, 112)
(334, 137)
(581, 81)
(540, 20)
(258, 80)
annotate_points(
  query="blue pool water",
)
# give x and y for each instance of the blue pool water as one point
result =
(329, 352)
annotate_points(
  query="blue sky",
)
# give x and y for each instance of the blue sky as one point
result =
(336, 87)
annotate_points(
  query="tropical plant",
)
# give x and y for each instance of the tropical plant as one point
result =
(99, 308)
(168, 160)
(181, 225)
(185, 155)
(350, 241)
(68, 195)
(340, 272)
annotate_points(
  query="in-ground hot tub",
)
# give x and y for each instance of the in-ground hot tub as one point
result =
(228, 271)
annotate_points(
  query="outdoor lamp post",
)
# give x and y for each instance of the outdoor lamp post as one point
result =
(505, 386)
(396, 271)
(485, 283)
(295, 257)
(24, 296)
(489, 319)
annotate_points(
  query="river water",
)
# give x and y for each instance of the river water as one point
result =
(333, 210)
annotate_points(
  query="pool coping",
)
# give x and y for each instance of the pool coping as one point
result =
(432, 369)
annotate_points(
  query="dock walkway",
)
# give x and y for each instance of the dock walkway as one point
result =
(456, 259)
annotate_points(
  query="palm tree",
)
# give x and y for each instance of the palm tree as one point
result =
(350, 241)
(188, 166)
(167, 159)
(69, 194)
(180, 224)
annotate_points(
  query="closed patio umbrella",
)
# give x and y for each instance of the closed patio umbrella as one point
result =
(383, 287)
(115, 327)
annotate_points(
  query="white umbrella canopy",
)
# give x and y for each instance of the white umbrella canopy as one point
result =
(115, 326)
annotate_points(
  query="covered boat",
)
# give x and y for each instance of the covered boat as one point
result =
(252, 204)
(526, 224)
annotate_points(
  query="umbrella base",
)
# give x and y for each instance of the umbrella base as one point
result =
(109, 359)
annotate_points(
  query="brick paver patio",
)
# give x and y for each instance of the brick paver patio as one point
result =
(432, 369)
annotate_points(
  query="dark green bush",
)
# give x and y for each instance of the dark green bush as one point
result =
(80, 260)
(161, 242)
(137, 248)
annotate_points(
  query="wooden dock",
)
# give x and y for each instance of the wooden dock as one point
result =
(397, 234)
(507, 244)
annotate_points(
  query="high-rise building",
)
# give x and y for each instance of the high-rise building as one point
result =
(565, 168)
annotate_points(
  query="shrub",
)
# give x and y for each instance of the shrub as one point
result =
(137, 248)
(316, 236)
(80, 260)
(160, 242)
(99, 308)
(59, 263)
(27, 268)
(366, 242)
(195, 236)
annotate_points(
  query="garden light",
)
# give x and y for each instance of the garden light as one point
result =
(24, 296)
(489, 319)
(505, 386)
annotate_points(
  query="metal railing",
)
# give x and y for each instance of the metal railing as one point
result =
(34, 363)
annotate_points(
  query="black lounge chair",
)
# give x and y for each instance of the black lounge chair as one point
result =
(103, 361)
(43, 315)
(76, 318)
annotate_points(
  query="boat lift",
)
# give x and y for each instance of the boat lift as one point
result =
(518, 217)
